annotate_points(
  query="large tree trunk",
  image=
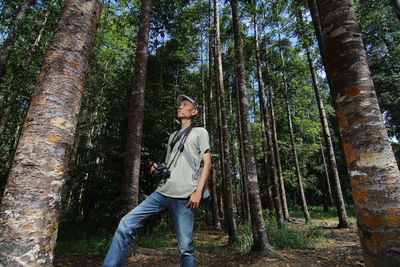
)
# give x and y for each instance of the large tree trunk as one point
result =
(340, 205)
(292, 140)
(260, 241)
(31, 203)
(225, 136)
(374, 173)
(281, 209)
(130, 184)
(12, 37)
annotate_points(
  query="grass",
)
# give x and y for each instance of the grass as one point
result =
(317, 212)
(78, 239)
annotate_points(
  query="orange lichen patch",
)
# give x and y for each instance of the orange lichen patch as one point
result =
(54, 138)
(377, 222)
(46, 102)
(361, 196)
(35, 100)
(376, 242)
(73, 64)
(350, 155)
(27, 227)
(65, 141)
(26, 124)
(353, 91)
(43, 196)
(359, 181)
(30, 134)
(343, 120)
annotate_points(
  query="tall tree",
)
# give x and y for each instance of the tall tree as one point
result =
(12, 36)
(396, 7)
(281, 208)
(31, 202)
(260, 241)
(130, 185)
(340, 205)
(210, 121)
(225, 136)
(374, 173)
(291, 132)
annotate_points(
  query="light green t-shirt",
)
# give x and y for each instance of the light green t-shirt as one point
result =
(181, 182)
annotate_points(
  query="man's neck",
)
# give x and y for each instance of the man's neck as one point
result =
(185, 123)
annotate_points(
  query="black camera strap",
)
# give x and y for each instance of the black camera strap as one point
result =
(185, 134)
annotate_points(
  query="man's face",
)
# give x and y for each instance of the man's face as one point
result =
(186, 110)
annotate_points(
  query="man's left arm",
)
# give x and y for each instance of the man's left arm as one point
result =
(195, 197)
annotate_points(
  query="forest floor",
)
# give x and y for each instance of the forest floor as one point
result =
(338, 247)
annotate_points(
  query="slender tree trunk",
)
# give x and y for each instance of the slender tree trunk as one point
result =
(31, 203)
(396, 7)
(374, 173)
(228, 194)
(340, 205)
(130, 184)
(213, 185)
(243, 168)
(12, 37)
(326, 192)
(40, 34)
(260, 241)
(281, 208)
(292, 140)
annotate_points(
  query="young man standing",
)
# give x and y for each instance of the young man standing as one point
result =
(180, 194)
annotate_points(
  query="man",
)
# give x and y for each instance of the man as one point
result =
(180, 194)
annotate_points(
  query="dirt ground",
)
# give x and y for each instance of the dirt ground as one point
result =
(340, 248)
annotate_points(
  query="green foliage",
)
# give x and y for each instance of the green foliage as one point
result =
(278, 238)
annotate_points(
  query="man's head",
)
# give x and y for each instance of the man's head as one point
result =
(187, 107)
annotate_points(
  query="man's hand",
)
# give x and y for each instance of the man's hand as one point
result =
(194, 200)
(153, 167)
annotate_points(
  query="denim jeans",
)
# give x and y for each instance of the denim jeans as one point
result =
(182, 217)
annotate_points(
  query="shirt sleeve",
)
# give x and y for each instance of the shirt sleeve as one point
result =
(204, 141)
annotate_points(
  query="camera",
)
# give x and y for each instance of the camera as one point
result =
(160, 172)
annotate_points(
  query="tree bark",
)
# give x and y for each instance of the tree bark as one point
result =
(292, 140)
(281, 208)
(13, 35)
(340, 205)
(374, 173)
(31, 203)
(130, 184)
(396, 7)
(243, 169)
(225, 136)
(213, 181)
(260, 241)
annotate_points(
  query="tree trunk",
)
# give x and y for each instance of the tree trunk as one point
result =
(326, 192)
(281, 209)
(243, 169)
(213, 181)
(374, 173)
(260, 241)
(225, 136)
(12, 37)
(396, 7)
(130, 184)
(31, 203)
(292, 140)
(340, 205)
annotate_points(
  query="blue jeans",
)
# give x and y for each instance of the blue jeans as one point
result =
(182, 217)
